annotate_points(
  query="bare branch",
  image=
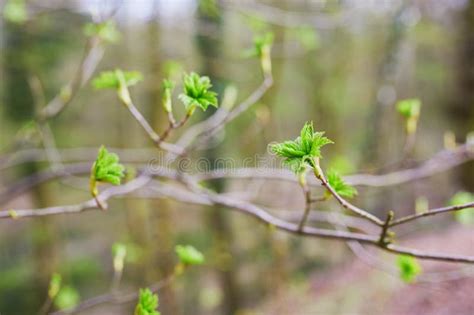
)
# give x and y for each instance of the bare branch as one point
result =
(81, 207)
(92, 55)
(432, 212)
(344, 203)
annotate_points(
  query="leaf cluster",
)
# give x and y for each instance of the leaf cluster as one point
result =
(189, 255)
(408, 267)
(302, 151)
(196, 92)
(107, 168)
(147, 303)
(339, 185)
(112, 79)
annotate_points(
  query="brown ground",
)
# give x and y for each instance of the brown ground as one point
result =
(356, 288)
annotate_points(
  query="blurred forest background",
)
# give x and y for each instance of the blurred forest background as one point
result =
(342, 64)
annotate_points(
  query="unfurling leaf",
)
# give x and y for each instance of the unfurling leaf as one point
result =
(119, 251)
(106, 169)
(408, 267)
(409, 107)
(67, 298)
(339, 185)
(147, 303)
(188, 255)
(464, 216)
(168, 87)
(196, 93)
(54, 285)
(300, 152)
(111, 79)
(261, 43)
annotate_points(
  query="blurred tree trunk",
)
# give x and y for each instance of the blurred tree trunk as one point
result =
(462, 106)
(379, 149)
(19, 104)
(210, 48)
(162, 236)
(278, 243)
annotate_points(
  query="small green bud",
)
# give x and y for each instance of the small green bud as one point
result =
(189, 255)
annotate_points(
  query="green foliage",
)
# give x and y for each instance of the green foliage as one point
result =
(188, 255)
(111, 79)
(465, 216)
(147, 303)
(301, 152)
(339, 185)
(15, 11)
(107, 168)
(196, 93)
(54, 285)
(408, 267)
(67, 298)
(107, 31)
(409, 108)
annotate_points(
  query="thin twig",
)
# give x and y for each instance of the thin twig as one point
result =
(307, 207)
(384, 239)
(432, 212)
(92, 55)
(151, 133)
(114, 298)
(344, 203)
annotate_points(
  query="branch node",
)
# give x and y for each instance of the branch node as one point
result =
(386, 236)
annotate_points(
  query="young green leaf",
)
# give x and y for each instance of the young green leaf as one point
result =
(300, 152)
(465, 216)
(168, 87)
(409, 108)
(147, 303)
(111, 79)
(107, 31)
(408, 267)
(339, 185)
(119, 251)
(196, 93)
(67, 298)
(106, 169)
(54, 286)
(188, 255)
(261, 43)
(262, 50)
(14, 11)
